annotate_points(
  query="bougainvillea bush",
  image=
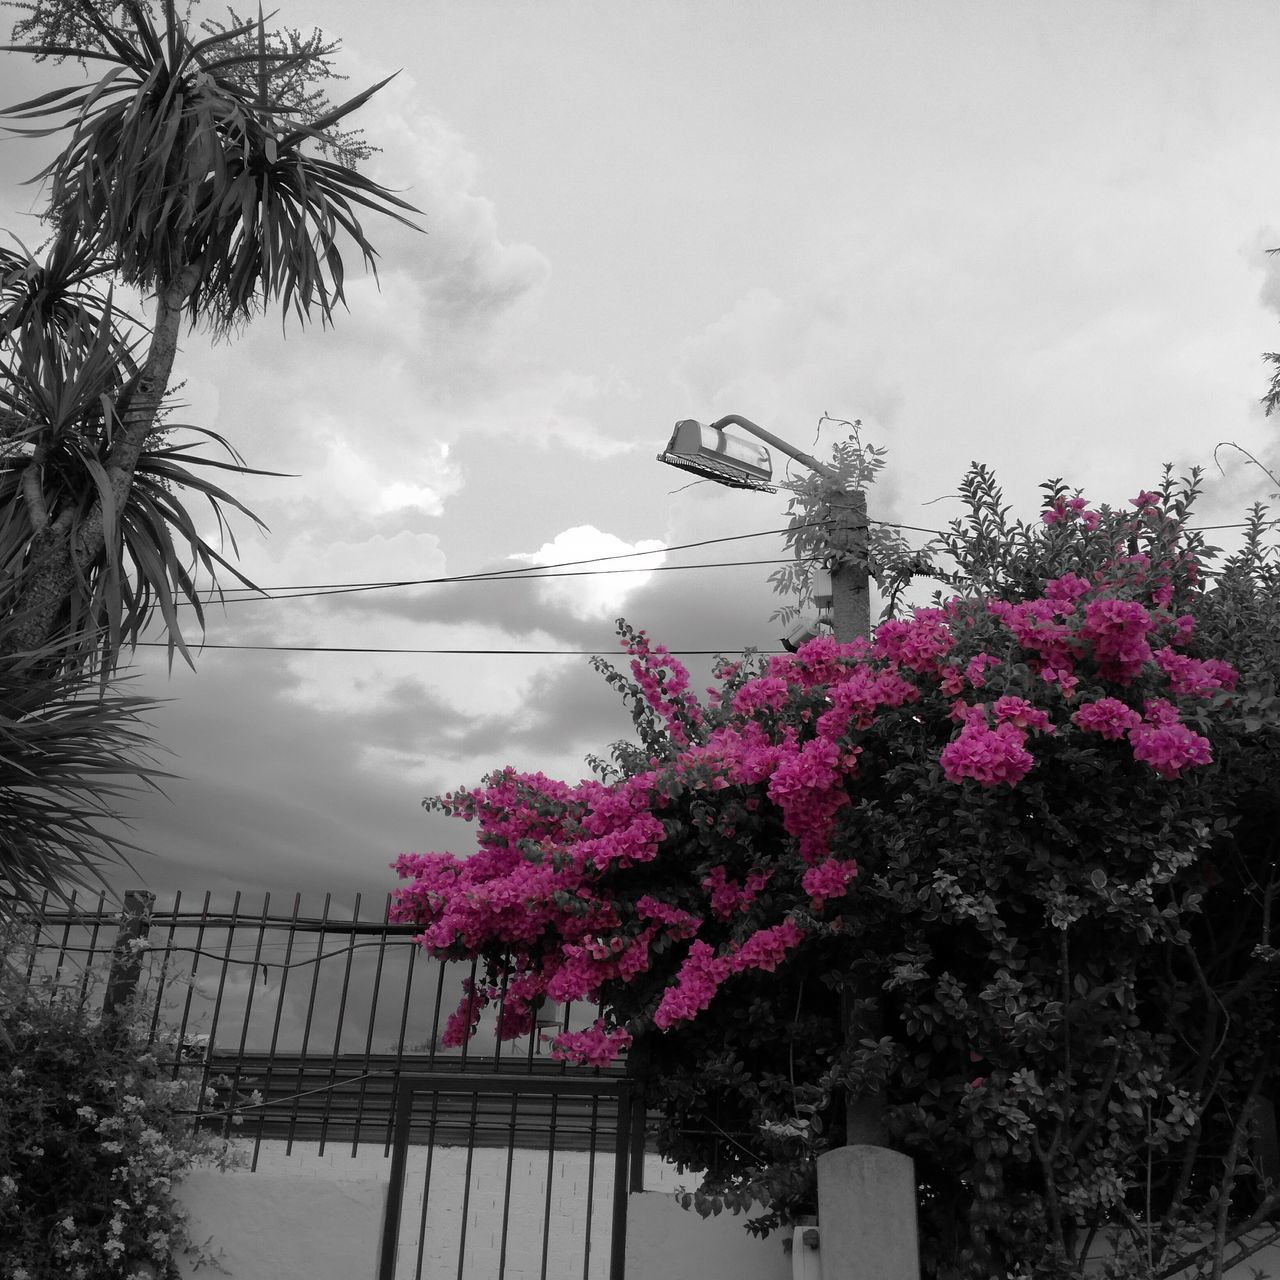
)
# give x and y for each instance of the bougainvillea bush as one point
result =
(1007, 867)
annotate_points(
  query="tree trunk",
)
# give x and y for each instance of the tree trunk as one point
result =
(58, 558)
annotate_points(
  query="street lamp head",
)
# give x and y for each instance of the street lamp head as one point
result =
(716, 455)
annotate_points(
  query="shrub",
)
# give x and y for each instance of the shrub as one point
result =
(96, 1133)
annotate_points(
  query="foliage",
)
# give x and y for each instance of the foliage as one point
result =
(206, 170)
(195, 169)
(97, 1133)
(66, 362)
(817, 516)
(69, 751)
(1009, 867)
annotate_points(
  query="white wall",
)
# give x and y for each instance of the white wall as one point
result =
(306, 1216)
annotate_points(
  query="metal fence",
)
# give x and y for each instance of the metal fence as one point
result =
(301, 1023)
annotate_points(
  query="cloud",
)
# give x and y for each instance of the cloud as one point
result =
(605, 591)
(773, 357)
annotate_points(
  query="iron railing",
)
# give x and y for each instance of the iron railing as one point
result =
(302, 1022)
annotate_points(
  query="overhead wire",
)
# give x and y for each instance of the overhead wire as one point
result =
(301, 591)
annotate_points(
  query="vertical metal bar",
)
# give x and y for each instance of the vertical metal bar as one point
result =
(636, 1123)
(546, 1206)
(37, 928)
(186, 1008)
(637, 1068)
(306, 1030)
(621, 1156)
(441, 969)
(403, 1108)
(591, 1185)
(162, 979)
(466, 1043)
(217, 1003)
(337, 1030)
(285, 970)
(506, 1189)
(65, 943)
(248, 1007)
(404, 1023)
(87, 976)
(426, 1184)
(497, 1021)
(466, 1183)
(373, 1019)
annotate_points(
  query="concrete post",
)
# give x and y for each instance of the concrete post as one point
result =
(126, 955)
(850, 575)
(867, 1214)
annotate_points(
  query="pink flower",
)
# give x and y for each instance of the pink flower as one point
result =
(765, 692)
(1169, 748)
(1018, 711)
(975, 669)
(696, 985)
(766, 948)
(1108, 716)
(919, 642)
(1118, 632)
(728, 897)
(989, 756)
(828, 879)
(1193, 677)
(595, 1047)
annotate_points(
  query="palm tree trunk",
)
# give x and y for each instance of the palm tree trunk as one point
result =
(56, 560)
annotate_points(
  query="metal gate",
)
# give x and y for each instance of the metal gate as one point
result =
(510, 1179)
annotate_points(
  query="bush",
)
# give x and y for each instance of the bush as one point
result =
(96, 1133)
(1010, 869)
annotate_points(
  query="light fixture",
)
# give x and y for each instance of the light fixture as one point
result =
(711, 452)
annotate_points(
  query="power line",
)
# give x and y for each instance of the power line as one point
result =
(342, 590)
(518, 572)
(479, 653)
(303, 591)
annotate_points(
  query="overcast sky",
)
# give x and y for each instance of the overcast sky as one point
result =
(1028, 234)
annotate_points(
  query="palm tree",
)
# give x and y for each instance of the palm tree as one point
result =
(185, 176)
(204, 172)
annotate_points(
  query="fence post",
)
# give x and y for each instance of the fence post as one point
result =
(637, 1069)
(126, 954)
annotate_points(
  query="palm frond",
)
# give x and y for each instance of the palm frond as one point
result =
(70, 752)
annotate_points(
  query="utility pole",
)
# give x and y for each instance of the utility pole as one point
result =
(866, 1191)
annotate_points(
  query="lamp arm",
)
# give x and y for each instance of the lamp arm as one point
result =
(734, 419)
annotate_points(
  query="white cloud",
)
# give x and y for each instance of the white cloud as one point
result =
(604, 593)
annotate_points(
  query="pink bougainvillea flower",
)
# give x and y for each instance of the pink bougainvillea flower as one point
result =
(989, 756)
(1169, 748)
(1107, 716)
(597, 1046)
(828, 879)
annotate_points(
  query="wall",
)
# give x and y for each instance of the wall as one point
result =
(306, 1216)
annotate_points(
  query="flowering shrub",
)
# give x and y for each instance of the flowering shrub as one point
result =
(95, 1135)
(1003, 821)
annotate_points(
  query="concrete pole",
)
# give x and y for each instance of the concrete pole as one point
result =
(126, 955)
(850, 572)
(866, 1191)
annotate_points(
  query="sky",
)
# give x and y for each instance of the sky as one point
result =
(1030, 235)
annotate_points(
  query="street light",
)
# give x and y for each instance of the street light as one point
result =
(715, 454)
(866, 1192)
